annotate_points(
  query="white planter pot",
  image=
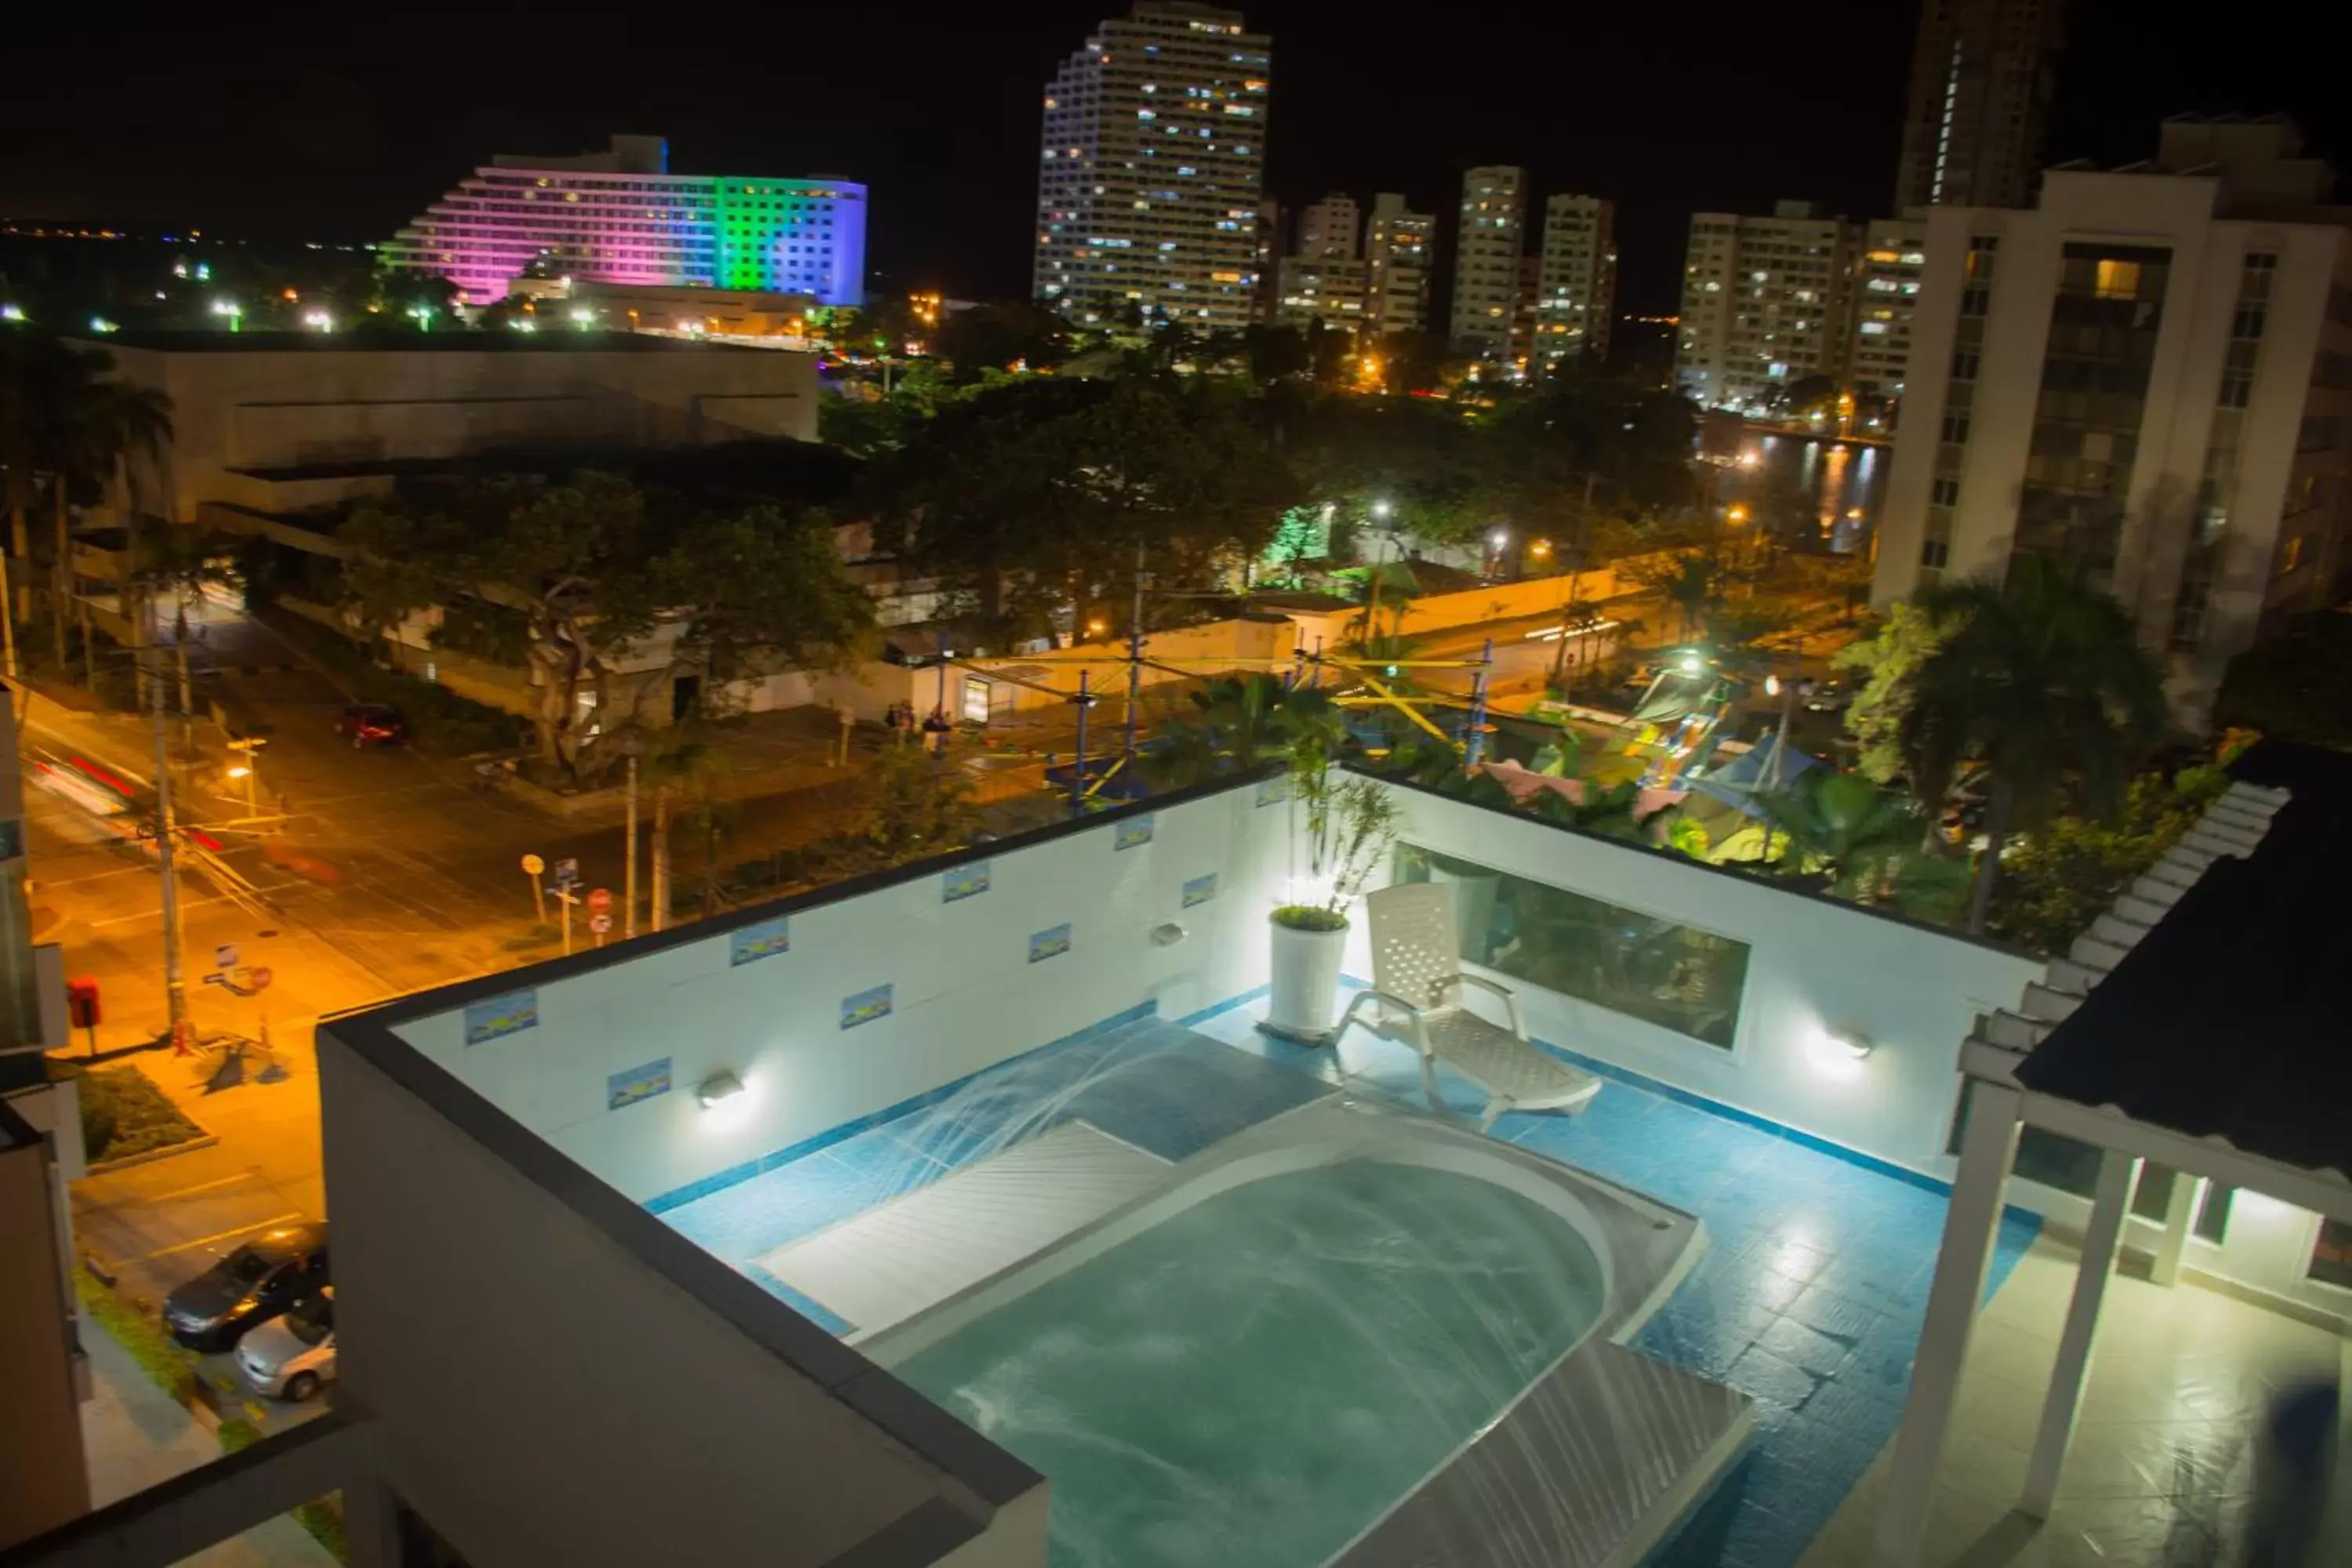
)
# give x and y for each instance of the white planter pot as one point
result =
(1305, 1003)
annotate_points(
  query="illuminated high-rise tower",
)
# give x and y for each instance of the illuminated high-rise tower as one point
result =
(1982, 77)
(1151, 168)
(621, 217)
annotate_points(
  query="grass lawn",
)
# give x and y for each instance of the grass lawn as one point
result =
(123, 1113)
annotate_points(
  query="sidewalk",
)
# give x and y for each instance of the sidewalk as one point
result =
(135, 1435)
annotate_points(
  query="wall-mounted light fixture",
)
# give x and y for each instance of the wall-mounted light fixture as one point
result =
(719, 1087)
(1851, 1043)
(1168, 935)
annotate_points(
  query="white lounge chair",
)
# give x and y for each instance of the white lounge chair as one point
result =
(1417, 981)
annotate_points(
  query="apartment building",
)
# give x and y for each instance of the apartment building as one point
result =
(1328, 229)
(1151, 170)
(2147, 376)
(1766, 303)
(1982, 75)
(622, 217)
(1576, 286)
(1398, 249)
(1885, 297)
(1487, 250)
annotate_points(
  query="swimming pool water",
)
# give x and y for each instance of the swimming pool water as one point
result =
(1260, 1376)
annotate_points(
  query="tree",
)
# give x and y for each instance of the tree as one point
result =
(1860, 841)
(2061, 879)
(1691, 581)
(605, 584)
(1886, 664)
(2039, 682)
(915, 804)
(2297, 684)
(997, 337)
(104, 427)
(1038, 499)
(1244, 721)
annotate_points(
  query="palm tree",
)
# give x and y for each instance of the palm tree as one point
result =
(105, 427)
(2040, 682)
(681, 766)
(1245, 720)
(1691, 587)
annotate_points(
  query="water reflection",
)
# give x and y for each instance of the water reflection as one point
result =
(1816, 491)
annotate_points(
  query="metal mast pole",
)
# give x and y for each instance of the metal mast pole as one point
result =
(629, 878)
(176, 990)
(1135, 655)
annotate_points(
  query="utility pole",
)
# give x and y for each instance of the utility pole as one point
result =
(629, 880)
(176, 990)
(1135, 655)
(7, 620)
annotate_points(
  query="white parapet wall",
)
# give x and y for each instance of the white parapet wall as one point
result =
(864, 1000)
(1815, 969)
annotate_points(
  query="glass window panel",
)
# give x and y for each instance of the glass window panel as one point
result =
(2331, 1254)
(1674, 976)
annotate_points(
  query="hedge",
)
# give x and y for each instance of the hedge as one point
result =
(123, 1113)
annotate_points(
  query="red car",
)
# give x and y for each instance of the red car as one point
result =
(373, 724)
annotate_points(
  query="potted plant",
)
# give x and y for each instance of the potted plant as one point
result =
(1342, 830)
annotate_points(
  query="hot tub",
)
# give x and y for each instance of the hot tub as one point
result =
(1335, 1336)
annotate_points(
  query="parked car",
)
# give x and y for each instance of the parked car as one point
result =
(288, 1357)
(369, 724)
(257, 1281)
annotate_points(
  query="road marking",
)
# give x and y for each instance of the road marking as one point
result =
(204, 1187)
(155, 913)
(208, 1240)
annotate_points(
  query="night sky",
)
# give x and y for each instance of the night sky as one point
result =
(341, 124)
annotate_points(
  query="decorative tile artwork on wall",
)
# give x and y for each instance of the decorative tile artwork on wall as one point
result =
(754, 943)
(506, 1015)
(865, 1006)
(1051, 943)
(629, 1086)
(963, 882)
(1201, 889)
(1135, 830)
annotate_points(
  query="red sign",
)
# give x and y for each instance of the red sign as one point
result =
(82, 1002)
(258, 979)
(599, 924)
(599, 901)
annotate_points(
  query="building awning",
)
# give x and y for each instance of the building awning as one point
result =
(2230, 1019)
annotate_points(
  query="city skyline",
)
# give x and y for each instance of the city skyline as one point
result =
(304, 137)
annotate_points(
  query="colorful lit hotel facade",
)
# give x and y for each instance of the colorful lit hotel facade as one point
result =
(621, 217)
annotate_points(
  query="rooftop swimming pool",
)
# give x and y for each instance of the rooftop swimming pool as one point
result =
(1261, 1360)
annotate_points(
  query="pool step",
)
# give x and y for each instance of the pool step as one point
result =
(880, 1267)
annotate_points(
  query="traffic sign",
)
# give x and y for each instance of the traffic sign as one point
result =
(567, 871)
(225, 956)
(532, 865)
(257, 978)
(600, 924)
(600, 900)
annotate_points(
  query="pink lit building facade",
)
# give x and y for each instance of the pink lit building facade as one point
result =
(621, 217)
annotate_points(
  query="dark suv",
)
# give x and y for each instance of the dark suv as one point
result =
(255, 1282)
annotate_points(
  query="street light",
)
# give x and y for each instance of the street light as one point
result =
(232, 311)
(1381, 508)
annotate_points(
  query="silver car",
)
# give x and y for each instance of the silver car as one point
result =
(290, 1357)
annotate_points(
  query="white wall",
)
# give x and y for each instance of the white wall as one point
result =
(1813, 964)
(965, 995)
(545, 1395)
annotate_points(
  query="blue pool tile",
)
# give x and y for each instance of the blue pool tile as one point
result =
(1811, 1349)
(1768, 1376)
(1809, 1296)
(807, 1306)
(1827, 1312)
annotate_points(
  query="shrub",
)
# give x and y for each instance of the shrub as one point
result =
(123, 1113)
(143, 1336)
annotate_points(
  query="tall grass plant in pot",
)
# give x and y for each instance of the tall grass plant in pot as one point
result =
(1342, 828)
